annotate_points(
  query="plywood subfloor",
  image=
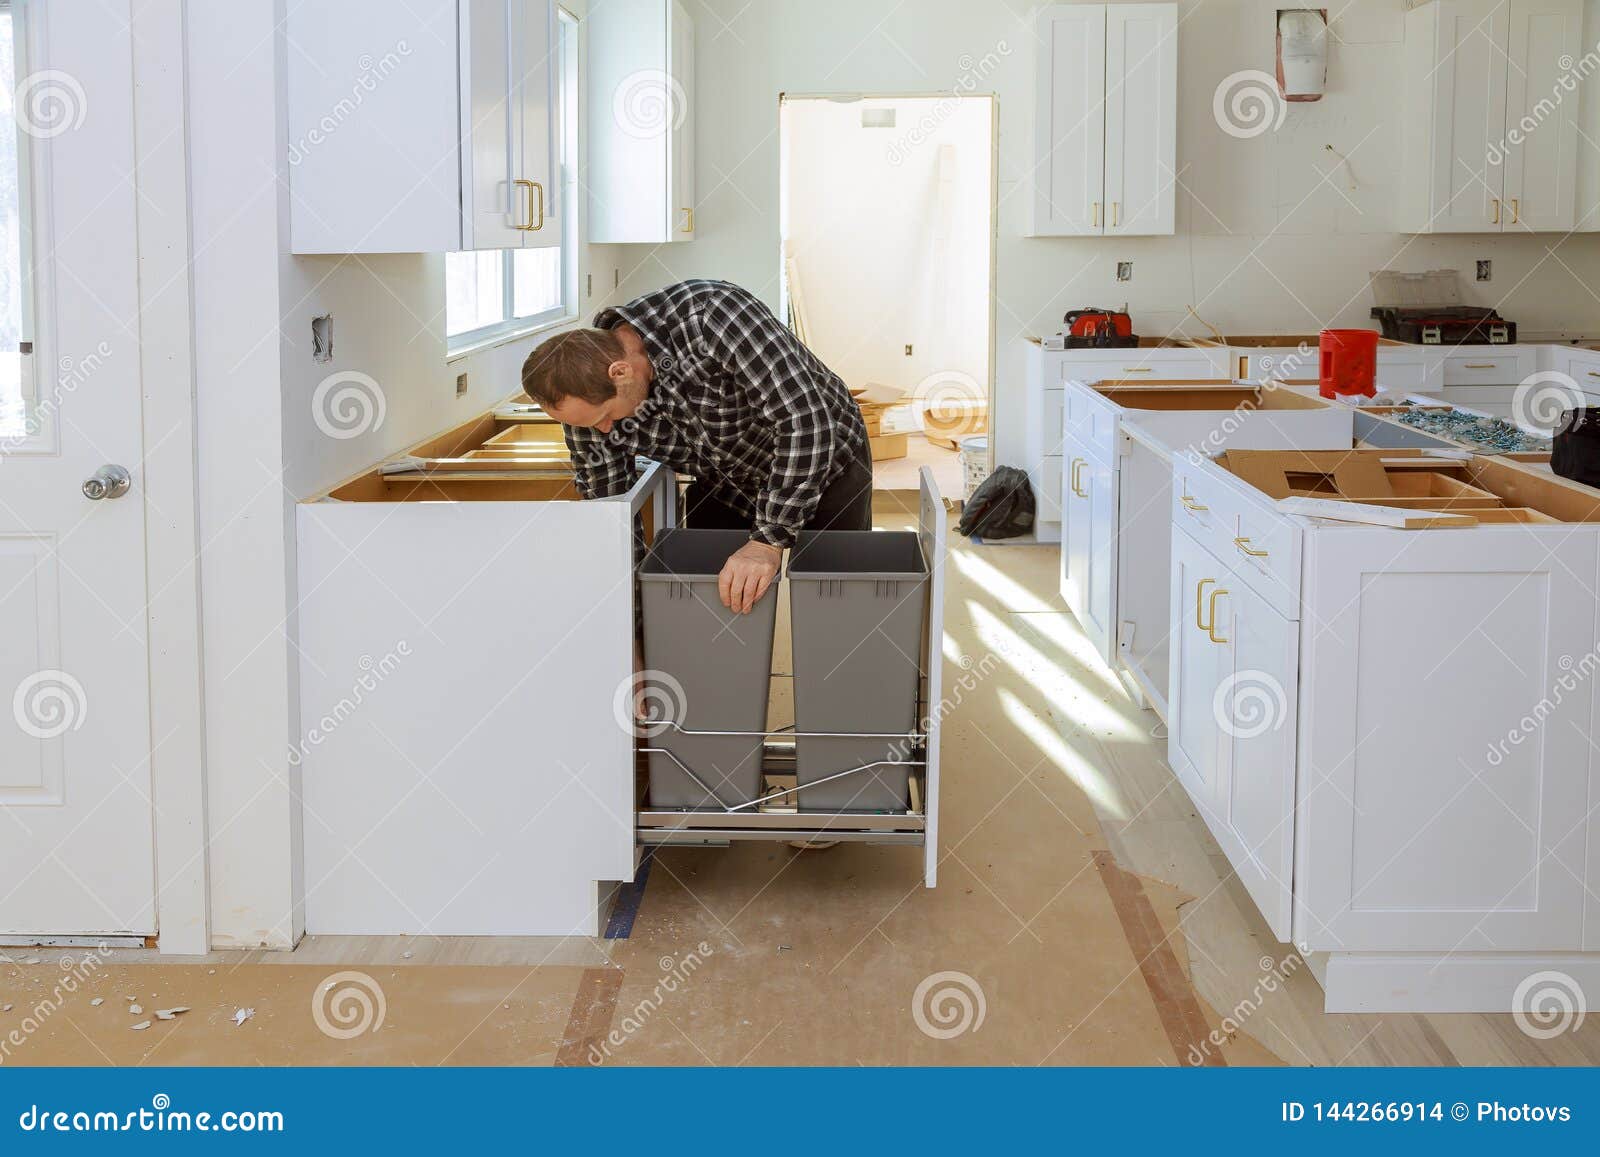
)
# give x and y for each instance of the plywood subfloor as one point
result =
(1083, 916)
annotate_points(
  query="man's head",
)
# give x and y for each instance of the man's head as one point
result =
(589, 377)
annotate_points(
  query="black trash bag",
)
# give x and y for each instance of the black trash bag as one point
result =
(1001, 507)
(1575, 453)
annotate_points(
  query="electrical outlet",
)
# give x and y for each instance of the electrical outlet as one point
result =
(1485, 270)
(1124, 271)
(908, 349)
(461, 385)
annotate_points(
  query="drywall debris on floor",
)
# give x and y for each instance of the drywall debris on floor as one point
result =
(171, 1013)
(240, 1015)
(7, 1007)
(32, 960)
(134, 1010)
(97, 1002)
(141, 1026)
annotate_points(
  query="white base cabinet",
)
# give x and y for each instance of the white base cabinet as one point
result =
(1388, 732)
(1116, 493)
(462, 645)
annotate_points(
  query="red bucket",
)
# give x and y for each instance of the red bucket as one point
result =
(1349, 362)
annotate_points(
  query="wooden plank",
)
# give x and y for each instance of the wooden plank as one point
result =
(1372, 514)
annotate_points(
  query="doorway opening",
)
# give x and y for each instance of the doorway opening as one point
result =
(887, 208)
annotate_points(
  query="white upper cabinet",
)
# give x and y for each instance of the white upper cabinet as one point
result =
(641, 122)
(1105, 116)
(1490, 131)
(422, 127)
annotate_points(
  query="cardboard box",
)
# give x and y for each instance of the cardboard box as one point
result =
(886, 446)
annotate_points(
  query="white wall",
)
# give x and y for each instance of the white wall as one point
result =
(262, 450)
(891, 241)
(1263, 244)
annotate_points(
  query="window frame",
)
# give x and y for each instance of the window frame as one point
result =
(510, 327)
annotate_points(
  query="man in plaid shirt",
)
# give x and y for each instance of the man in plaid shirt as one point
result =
(702, 377)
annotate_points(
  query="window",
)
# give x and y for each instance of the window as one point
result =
(20, 419)
(497, 294)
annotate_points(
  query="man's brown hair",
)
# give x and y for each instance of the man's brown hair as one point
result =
(572, 365)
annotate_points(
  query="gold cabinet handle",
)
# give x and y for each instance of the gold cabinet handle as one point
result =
(1478, 365)
(535, 221)
(1240, 543)
(1593, 373)
(1077, 464)
(1199, 605)
(1137, 369)
(1211, 605)
(1191, 505)
(1116, 213)
(688, 219)
(1516, 213)
(1496, 220)
(1095, 210)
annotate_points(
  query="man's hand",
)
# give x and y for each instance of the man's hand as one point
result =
(747, 574)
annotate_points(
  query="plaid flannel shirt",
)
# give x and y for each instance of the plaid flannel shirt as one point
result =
(736, 402)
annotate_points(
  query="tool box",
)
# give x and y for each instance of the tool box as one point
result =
(1098, 328)
(1426, 309)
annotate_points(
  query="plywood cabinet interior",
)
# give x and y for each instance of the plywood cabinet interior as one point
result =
(423, 127)
(1105, 109)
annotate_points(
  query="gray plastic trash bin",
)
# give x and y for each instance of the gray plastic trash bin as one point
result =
(714, 665)
(858, 607)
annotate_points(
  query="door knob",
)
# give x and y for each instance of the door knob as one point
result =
(107, 482)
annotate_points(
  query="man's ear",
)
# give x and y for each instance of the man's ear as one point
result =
(618, 371)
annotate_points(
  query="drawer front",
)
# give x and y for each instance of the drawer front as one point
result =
(1402, 371)
(1055, 405)
(1049, 490)
(1263, 545)
(1483, 369)
(1584, 369)
(1138, 364)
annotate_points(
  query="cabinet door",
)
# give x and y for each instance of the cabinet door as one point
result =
(1141, 106)
(536, 111)
(1074, 556)
(680, 160)
(1446, 739)
(1092, 539)
(493, 204)
(1197, 748)
(1254, 705)
(1541, 147)
(1069, 130)
(1469, 117)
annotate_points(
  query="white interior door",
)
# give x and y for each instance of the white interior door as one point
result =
(76, 832)
(1469, 118)
(1141, 113)
(1069, 173)
(1540, 162)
